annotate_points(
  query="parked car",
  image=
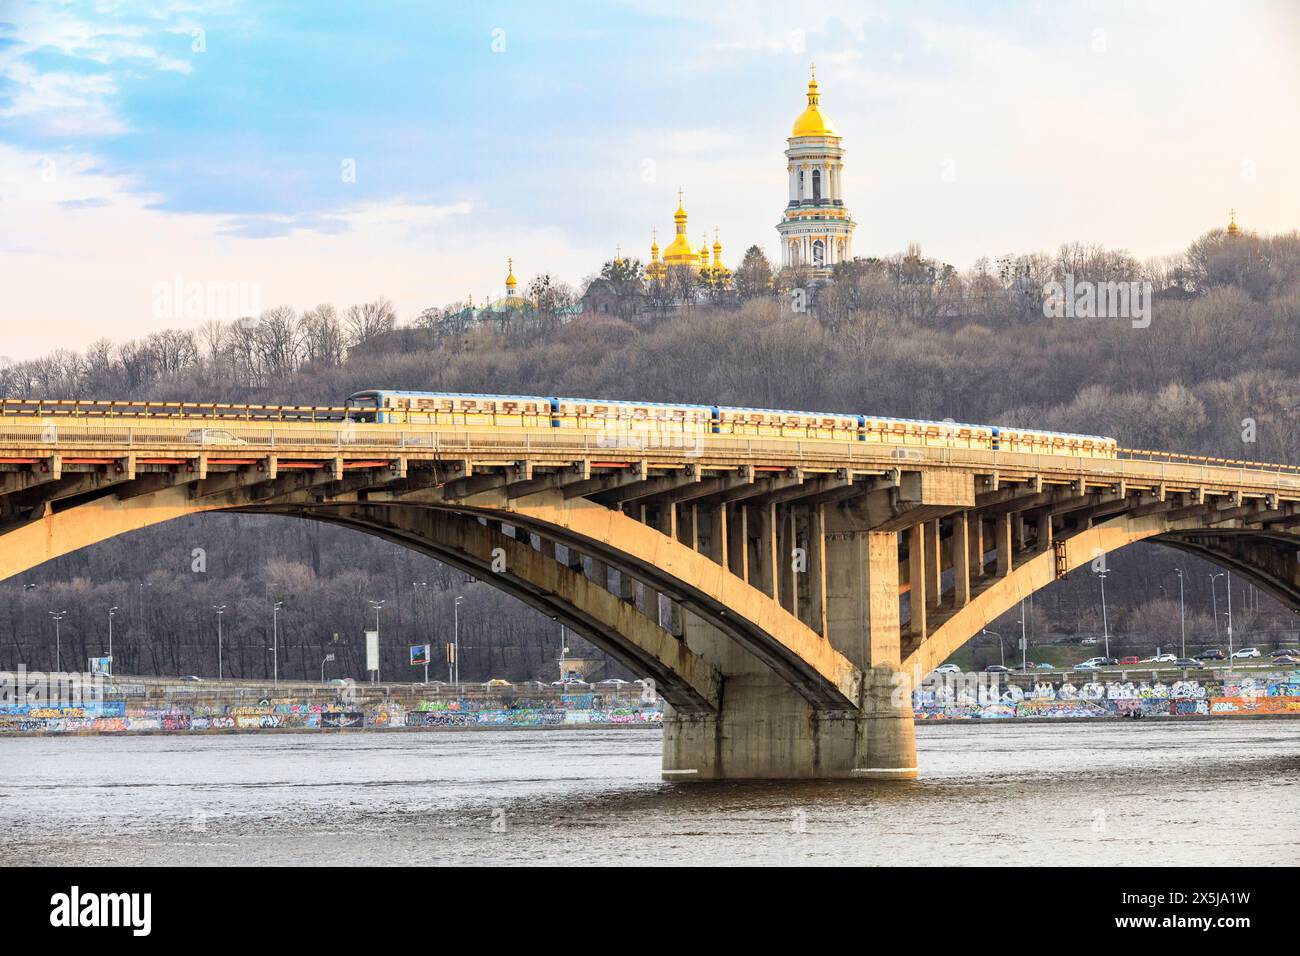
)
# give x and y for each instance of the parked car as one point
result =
(1246, 652)
(1161, 659)
(947, 669)
(1129, 660)
(496, 682)
(1286, 659)
(997, 669)
(190, 677)
(1085, 666)
(1108, 661)
(1187, 662)
(1047, 667)
(1092, 662)
(1089, 642)
(613, 680)
(1211, 655)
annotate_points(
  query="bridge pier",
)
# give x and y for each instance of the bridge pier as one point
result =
(765, 728)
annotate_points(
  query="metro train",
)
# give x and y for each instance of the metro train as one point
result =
(536, 411)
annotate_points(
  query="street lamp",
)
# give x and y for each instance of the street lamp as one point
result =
(220, 609)
(58, 647)
(1002, 660)
(1024, 642)
(111, 612)
(1229, 573)
(1182, 614)
(376, 605)
(455, 639)
(328, 657)
(1105, 621)
(275, 643)
(1214, 604)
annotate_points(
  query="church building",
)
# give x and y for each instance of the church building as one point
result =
(816, 230)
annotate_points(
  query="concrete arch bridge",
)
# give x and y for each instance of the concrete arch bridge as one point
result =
(782, 594)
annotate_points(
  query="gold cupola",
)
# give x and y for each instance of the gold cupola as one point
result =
(655, 269)
(679, 251)
(1234, 230)
(812, 121)
(512, 284)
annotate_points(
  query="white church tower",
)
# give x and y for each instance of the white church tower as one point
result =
(816, 230)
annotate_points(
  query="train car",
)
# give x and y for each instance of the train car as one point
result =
(632, 417)
(448, 408)
(670, 422)
(783, 423)
(1033, 442)
(908, 431)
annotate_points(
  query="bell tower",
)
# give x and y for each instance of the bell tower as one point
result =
(816, 230)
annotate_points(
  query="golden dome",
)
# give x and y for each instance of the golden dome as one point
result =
(1233, 228)
(511, 282)
(812, 121)
(717, 246)
(679, 251)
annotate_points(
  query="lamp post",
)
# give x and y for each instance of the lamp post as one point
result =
(58, 646)
(1182, 615)
(275, 643)
(455, 639)
(1105, 621)
(1002, 659)
(1024, 641)
(1229, 574)
(375, 606)
(111, 612)
(328, 657)
(1214, 604)
(220, 609)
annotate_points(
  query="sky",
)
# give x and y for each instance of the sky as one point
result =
(317, 152)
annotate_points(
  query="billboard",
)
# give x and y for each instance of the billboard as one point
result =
(101, 665)
(420, 654)
(372, 650)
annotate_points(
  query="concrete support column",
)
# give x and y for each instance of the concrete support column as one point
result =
(960, 546)
(975, 532)
(817, 569)
(1044, 520)
(1002, 531)
(738, 541)
(933, 566)
(718, 531)
(693, 530)
(916, 580)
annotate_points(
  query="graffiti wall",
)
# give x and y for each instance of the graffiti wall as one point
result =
(125, 716)
(981, 697)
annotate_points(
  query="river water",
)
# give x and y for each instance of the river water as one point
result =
(1118, 793)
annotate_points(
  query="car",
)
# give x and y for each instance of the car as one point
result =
(1245, 652)
(1085, 666)
(1187, 662)
(1286, 659)
(1047, 667)
(342, 681)
(1091, 662)
(1108, 661)
(1211, 655)
(190, 677)
(613, 680)
(1161, 659)
(1089, 642)
(496, 682)
(997, 669)
(947, 669)
(1129, 660)
(212, 436)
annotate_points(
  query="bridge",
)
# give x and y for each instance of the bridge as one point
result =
(784, 595)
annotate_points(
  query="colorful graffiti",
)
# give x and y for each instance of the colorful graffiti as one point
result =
(976, 697)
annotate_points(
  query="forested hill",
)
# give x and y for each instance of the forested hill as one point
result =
(1216, 371)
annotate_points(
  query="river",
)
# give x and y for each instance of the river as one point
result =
(1116, 793)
